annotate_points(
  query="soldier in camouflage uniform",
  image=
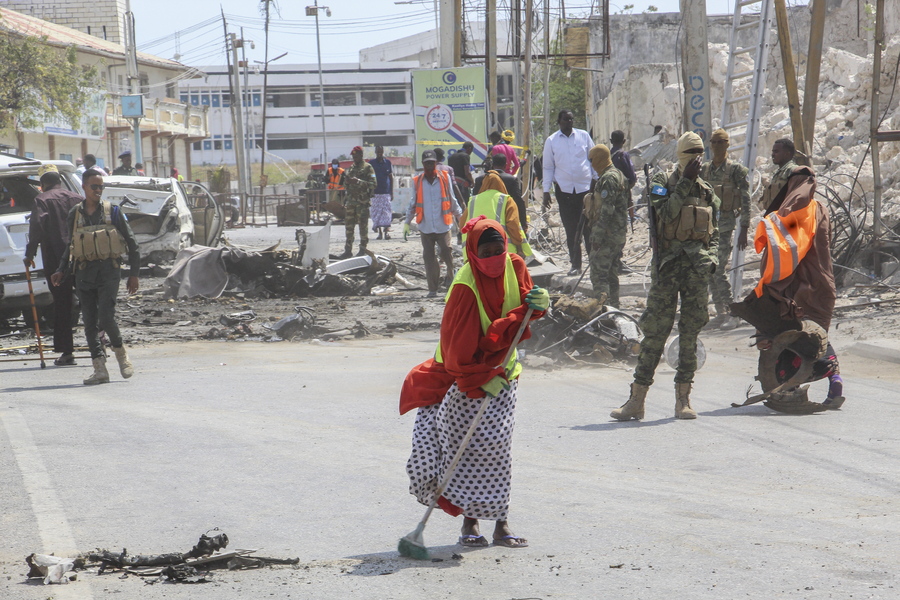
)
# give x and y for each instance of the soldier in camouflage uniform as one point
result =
(729, 181)
(685, 207)
(359, 180)
(607, 212)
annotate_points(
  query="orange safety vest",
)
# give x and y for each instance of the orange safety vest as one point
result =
(445, 197)
(334, 178)
(786, 240)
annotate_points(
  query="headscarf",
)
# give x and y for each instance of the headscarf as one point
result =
(688, 141)
(492, 181)
(508, 136)
(600, 158)
(490, 289)
(720, 152)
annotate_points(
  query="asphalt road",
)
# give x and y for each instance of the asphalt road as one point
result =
(297, 450)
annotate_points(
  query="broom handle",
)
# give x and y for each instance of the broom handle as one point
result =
(475, 422)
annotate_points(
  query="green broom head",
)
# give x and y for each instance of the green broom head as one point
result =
(411, 547)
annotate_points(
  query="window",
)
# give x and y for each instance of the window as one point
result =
(204, 100)
(315, 99)
(170, 90)
(216, 100)
(197, 146)
(505, 117)
(229, 145)
(67, 157)
(288, 143)
(195, 100)
(340, 98)
(207, 144)
(29, 155)
(257, 99)
(184, 98)
(226, 100)
(504, 88)
(217, 144)
(287, 99)
(370, 98)
(145, 82)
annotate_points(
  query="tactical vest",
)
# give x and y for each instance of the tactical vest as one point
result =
(694, 222)
(511, 299)
(96, 242)
(727, 192)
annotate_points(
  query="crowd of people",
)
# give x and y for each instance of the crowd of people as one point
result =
(694, 209)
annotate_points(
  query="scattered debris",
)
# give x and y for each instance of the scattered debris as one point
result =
(188, 567)
(580, 329)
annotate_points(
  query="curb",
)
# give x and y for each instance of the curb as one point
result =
(875, 352)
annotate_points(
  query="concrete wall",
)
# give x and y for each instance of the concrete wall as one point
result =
(100, 18)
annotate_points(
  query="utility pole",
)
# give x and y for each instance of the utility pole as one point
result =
(695, 69)
(447, 53)
(874, 124)
(490, 50)
(248, 122)
(263, 178)
(547, 69)
(516, 21)
(526, 123)
(134, 80)
(790, 74)
(813, 67)
(238, 116)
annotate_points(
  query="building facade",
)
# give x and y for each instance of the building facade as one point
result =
(167, 129)
(366, 104)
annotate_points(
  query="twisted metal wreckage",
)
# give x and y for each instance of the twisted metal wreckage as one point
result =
(193, 566)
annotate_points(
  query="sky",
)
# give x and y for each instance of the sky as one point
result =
(193, 29)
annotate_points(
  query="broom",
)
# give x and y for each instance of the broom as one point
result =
(413, 545)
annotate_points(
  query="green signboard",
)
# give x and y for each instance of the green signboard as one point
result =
(450, 108)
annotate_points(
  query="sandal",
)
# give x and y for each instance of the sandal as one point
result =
(473, 541)
(511, 541)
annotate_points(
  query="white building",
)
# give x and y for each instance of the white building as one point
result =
(365, 104)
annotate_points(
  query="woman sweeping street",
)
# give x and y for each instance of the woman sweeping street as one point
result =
(486, 304)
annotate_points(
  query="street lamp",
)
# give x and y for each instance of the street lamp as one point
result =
(313, 11)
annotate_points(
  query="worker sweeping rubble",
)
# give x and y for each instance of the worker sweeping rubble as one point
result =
(793, 303)
(488, 307)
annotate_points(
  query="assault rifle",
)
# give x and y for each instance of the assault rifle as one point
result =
(651, 219)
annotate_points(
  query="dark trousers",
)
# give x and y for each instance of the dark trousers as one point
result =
(97, 286)
(63, 295)
(432, 266)
(571, 208)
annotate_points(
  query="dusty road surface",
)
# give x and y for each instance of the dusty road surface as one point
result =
(297, 450)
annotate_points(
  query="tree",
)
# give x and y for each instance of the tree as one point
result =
(39, 83)
(567, 92)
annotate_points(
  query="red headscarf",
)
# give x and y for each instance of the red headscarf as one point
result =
(490, 289)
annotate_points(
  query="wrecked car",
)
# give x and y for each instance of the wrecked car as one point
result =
(19, 185)
(165, 214)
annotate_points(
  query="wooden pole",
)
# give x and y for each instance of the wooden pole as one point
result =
(490, 51)
(790, 74)
(875, 118)
(813, 67)
(526, 108)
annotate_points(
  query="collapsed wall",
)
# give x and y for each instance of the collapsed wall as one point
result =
(632, 94)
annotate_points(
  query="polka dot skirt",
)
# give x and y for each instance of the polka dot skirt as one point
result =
(481, 482)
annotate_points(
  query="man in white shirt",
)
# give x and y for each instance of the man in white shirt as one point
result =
(435, 208)
(567, 167)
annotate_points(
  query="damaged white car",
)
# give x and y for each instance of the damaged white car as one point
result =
(165, 214)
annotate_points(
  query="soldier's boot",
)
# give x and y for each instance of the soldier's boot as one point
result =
(125, 366)
(721, 317)
(100, 374)
(634, 408)
(348, 253)
(683, 408)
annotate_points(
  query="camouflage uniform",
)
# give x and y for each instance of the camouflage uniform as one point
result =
(729, 181)
(683, 270)
(779, 179)
(607, 211)
(356, 204)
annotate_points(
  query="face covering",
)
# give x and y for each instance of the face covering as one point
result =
(492, 266)
(719, 151)
(688, 141)
(599, 157)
